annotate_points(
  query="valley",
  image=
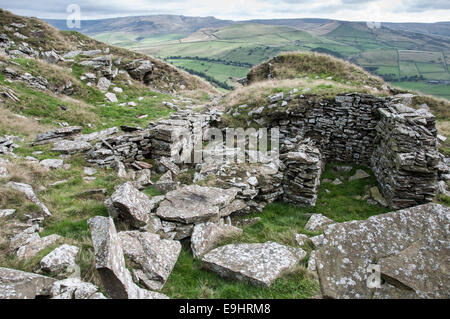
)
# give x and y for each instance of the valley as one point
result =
(409, 59)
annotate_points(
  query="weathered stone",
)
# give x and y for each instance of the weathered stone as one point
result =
(71, 147)
(410, 245)
(52, 163)
(51, 136)
(110, 262)
(29, 193)
(360, 174)
(111, 97)
(74, 288)
(132, 205)
(301, 239)
(195, 204)
(166, 162)
(6, 212)
(35, 246)
(103, 84)
(89, 171)
(59, 259)
(16, 284)
(154, 257)
(259, 264)
(318, 222)
(207, 236)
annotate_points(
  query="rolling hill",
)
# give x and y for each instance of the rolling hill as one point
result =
(408, 55)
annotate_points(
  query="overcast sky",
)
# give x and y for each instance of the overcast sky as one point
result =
(354, 10)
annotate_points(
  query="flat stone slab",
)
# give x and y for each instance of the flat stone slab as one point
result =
(195, 204)
(411, 246)
(71, 147)
(16, 284)
(258, 264)
(207, 236)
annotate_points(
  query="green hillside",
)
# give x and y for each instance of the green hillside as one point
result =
(409, 60)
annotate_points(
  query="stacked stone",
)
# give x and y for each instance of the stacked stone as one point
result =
(406, 158)
(126, 148)
(343, 128)
(302, 175)
(175, 138)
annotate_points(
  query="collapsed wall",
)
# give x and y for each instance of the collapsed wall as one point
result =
(398, 142)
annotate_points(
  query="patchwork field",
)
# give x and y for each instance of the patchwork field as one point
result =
(397, 56)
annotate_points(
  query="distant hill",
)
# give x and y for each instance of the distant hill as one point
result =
(146, 25)
(410, 55)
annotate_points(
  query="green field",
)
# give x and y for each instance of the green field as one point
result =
(395, 56)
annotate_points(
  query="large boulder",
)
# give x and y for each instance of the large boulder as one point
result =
(16, 284)
(410, 246)
(110, 262)
(132, 205)
(154, 257)
(259, 264)
(207, 236)
(195, 204)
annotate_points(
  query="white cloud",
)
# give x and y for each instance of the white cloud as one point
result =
(354, 10)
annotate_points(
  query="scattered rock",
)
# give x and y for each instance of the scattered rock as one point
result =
(16, 284)
(52, 163)
(71, 147)
(6, 212)
(360, 174)
(110, 262)
(59, 259)
(154, 257)
(132, 205)
(74, 288)
(49, 137)
(111, 97)
(29, 193)
(89, 171)
(318, 222)
(35, 246)
(207, 236)
(259, 264)
(195, 204)
(301, 239)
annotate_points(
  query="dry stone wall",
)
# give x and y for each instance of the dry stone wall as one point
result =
(397, 141)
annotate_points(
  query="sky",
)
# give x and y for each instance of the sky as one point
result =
(350, 10)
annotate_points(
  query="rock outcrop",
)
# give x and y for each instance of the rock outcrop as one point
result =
(411, 246)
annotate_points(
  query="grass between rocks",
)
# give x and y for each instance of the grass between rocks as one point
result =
(279, 222)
